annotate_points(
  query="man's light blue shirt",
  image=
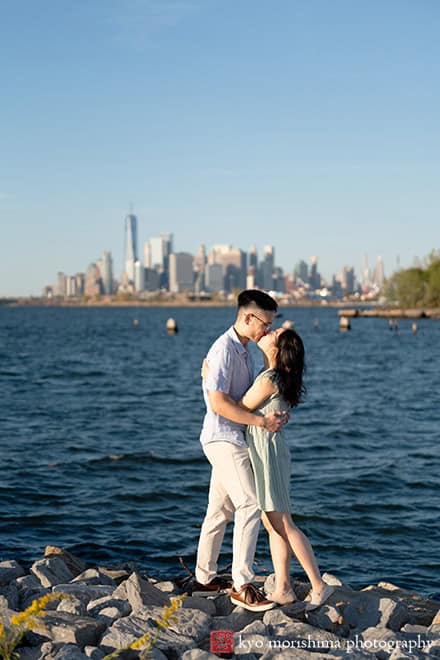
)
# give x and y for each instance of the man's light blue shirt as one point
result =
(231, 371)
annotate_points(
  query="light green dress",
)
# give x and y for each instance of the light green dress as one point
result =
(270, 455)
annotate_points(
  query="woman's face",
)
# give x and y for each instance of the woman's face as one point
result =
(269, 342)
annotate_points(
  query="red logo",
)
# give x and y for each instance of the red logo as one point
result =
(222, 641)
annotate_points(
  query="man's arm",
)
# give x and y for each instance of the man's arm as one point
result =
(222, 404)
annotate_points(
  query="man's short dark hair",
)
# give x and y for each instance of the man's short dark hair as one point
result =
(258, 298)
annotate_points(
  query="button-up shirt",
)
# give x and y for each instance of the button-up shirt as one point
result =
(231, 371)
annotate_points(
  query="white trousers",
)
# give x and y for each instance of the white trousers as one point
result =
(231, 495)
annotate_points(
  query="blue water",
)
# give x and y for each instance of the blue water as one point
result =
(99, 449)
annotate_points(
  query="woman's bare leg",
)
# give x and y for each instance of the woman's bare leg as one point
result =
(299, 545)
(281, 556)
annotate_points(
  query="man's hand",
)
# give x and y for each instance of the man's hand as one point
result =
(274, 421)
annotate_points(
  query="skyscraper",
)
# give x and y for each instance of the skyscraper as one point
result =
(379, 274)
(131, 250)
(267, 267)
(105, 265)
(181, 272)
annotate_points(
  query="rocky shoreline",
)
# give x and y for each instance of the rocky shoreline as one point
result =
(110, 607)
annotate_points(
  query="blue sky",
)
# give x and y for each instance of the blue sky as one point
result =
(312, 125)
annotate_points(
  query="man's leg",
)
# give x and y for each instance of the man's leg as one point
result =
(240, 485)
(220, 511)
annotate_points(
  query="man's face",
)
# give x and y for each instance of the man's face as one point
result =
(259, 323)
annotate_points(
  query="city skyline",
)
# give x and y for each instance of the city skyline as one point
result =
(223, 269)
(311, 126)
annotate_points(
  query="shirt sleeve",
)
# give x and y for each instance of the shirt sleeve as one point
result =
(220, 370)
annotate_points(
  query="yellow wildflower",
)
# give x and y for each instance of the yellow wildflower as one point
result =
(37, 608)
(145, 639)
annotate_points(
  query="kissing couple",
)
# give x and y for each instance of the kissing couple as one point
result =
(243, 440)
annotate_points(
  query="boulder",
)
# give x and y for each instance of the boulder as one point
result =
(167, 587)
(198, 654)
(95, 606)
(70, 629)
(127, 630)
(436, 619)
(380, 641)
(237, 620)
(393, 614)
(223, 605)
(94, 576)
(252, 639)
(94, 652)
(11, 594)
(51, 571)
(84, 592)
(328, 618)
(421, 609)
(72, 605)
(69, 652)
(108, 615)
(9, 570)
(140, 593)
(304, 636)
(74, 564)
(206, 605)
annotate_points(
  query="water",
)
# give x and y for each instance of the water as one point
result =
(99, 449)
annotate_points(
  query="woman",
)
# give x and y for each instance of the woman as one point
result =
(280, 387)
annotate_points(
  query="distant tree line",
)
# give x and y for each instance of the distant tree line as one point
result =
(418, 286)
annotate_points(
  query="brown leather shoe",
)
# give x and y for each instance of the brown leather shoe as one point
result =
(251, 599)
(217, 586)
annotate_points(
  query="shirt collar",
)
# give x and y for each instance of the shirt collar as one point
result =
(239, 347)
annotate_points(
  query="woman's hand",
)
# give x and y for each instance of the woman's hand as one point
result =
(204, 369)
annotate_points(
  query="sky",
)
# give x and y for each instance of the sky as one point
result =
(310, 125)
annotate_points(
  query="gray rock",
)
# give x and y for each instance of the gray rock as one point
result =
(432, 649)
(94, 652)
(70, 629)
(72, 605)
(128, 629)
(108, 615)
(94, 576)
(117, 575)
(245, 643)
(27, 596)
(393, 614)
(223, 605)
(140, 593)
(9, 570)
(421, 609)
(95, 606)
(380, 641)
(411, 628)
(237, 620)
(198, 654)
(84, 592)
(328, 618)
(74, 564)
(167, 587)
(252, 639)
(256, 627)
(69, 652)
(362, 611)
(305, 636)
(206, 605)
(28, 582)
(11, 594)
(51, 571)
(276, 617)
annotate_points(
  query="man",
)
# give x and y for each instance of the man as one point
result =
(232, 488)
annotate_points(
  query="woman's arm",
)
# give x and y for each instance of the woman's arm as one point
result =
(257, 394)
